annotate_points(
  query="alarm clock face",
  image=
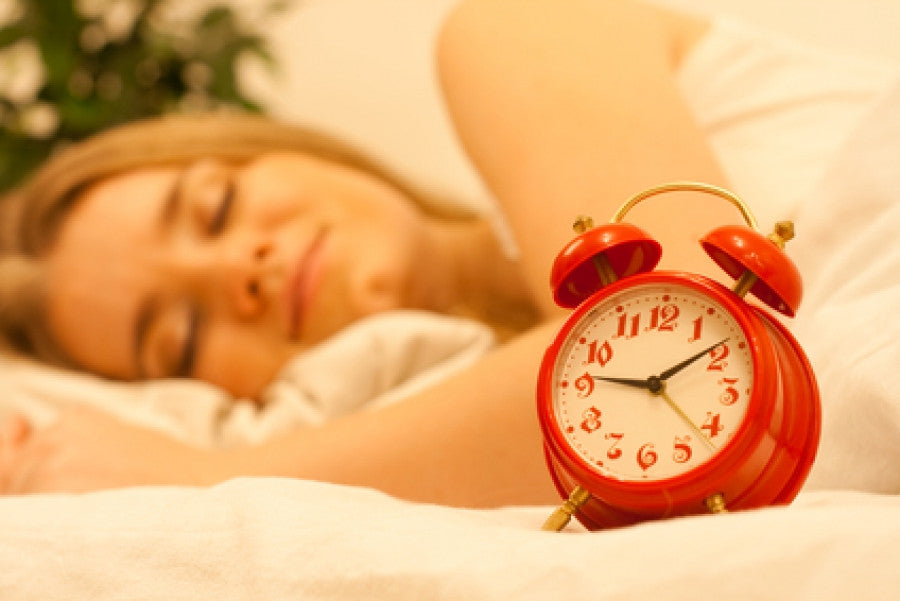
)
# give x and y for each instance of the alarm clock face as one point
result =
(652, 381)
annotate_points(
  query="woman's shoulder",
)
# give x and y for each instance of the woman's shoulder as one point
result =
(678, 30)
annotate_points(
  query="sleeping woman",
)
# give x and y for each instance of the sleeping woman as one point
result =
(219, 247)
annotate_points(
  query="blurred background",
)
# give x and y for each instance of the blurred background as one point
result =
(360, 68)
(859, 27)
(71, 67)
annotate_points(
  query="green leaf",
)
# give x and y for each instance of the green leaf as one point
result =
(216, 17)
(11, 34)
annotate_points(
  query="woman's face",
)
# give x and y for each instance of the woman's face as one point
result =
(224, 272)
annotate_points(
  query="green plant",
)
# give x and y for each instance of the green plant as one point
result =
(69, 68)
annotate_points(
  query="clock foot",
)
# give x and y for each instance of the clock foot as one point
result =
(716, 503)
(559, 518)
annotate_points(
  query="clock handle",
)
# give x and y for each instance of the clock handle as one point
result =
(688, 187)
(563, 514)
(757, 262)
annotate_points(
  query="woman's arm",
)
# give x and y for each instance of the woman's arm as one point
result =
(570, 107)
(470, 441)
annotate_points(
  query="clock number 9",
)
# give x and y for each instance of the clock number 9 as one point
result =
(584, 385)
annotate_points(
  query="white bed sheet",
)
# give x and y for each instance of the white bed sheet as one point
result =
(288, 539)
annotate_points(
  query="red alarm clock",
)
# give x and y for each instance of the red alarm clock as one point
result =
(666, 393)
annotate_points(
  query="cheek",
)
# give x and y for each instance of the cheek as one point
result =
(391, 226)
(240, 359)
(389, 243)
(274, 209)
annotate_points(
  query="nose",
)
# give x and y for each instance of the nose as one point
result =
(234, 274)
(245, 275)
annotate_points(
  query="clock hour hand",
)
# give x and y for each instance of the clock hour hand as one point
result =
(635, 382)
(677, 368)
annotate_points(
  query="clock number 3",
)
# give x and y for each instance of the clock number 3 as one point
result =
(730, 395)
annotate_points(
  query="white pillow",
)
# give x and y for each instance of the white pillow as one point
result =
(848, 249)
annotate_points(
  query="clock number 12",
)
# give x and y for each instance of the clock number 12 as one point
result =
(662, 319)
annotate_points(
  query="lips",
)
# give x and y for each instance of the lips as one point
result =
(303, 282)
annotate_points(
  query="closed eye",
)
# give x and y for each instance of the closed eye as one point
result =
(185, 366)
(223, 211)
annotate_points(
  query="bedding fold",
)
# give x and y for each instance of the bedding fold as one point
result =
(290, 539)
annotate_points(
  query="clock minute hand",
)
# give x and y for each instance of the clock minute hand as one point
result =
(677, 368)
(687, 419)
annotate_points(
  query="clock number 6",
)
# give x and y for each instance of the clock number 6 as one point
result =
(646, 456)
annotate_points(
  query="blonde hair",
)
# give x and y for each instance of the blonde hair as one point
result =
(30, 216)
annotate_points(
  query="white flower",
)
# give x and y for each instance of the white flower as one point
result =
(91, 9)
(22, 72)
(119, 18)
(10, 11)
(39, 120)
(116, 16)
